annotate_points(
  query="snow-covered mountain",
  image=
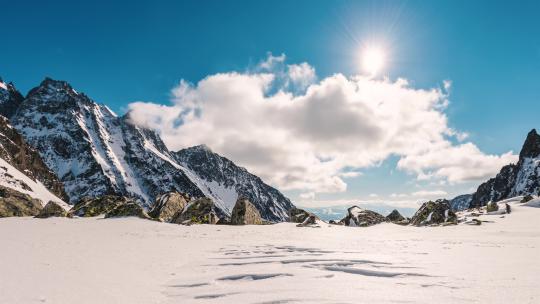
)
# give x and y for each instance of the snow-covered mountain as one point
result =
(22, 170)
(514, 179)
(221, 177)
(95, 152)
(10, 98)
(461, 202)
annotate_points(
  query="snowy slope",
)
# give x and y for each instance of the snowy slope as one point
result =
(515, 179)
(12, 178)
(496, 262)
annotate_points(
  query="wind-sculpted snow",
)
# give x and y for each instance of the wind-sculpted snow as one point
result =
(280, 263)
(95, 152)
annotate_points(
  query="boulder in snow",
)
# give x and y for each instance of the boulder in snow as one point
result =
(245, 213)
(492, 207)
(297, 215)
(15, 203)
(128, 209)
(359, 217)
(88, 207)
(526, 198)
(434, 213)
(168, 205)
(200, 211)
(52, 209)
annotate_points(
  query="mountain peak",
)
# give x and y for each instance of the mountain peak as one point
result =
(531, 147)
(56, 84)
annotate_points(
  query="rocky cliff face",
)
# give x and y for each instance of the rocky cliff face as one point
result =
(94, 152)
(522, 178)
(10, 99)
(220, 177)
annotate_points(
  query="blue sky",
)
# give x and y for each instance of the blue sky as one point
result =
(119, 53)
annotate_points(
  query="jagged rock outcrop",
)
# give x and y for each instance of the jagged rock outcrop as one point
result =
(89, 206)
(200, 211)
(396, 218)
(310, 221)
(10, 99)
(15, 203)
(168, 205)
(297, 215)
(226, 181)
(52, 209)
(359, 217)
(526, 198)
(245, 213)
(434, 213)
(522, 178)
(126, 210)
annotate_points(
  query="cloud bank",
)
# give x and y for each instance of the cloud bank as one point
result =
(298, 132)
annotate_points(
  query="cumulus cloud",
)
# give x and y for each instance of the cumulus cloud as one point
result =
(314, 138)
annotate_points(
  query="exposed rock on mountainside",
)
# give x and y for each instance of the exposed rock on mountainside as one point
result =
(518, 179)
(128, 209)
(359, 217)
(15, 151)
(200, 211)
(434, 213)
(15, 203)
(227, 182)
(89, 206)
(10, 99)
(168, 205)
(95, 153)
(52, 209)
(492, 206)
(461, 202)
(244, 213)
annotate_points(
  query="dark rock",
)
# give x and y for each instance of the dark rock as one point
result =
(200, 211)
(474, 222)
(52, 209)
(15, 203)
(492, 207)
(89, 207)
(508, 209)
(297, 215)
(359, 217)
(526, 198)
(128, 209)
(531, 146)
(395, 216)
(168, 205)
(434, 213)
(310, 221)
(245, 213)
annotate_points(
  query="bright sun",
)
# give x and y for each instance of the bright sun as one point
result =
(373, 59)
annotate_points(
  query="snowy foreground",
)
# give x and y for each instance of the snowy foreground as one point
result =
(129, 260)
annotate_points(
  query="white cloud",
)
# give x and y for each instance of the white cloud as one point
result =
(430, 193)
(307, 196)
(312, 139)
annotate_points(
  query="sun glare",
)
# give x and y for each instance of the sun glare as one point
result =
(373, 59)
